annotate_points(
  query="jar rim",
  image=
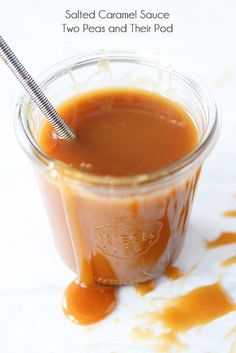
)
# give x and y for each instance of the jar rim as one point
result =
(194, 157)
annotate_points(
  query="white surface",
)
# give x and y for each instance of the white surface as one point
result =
(32, 277)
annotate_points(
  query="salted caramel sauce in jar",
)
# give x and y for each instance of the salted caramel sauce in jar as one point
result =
(119, 230)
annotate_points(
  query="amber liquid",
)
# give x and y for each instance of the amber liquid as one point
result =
(173, 273)
(121, 132)
(228, 262)
(225, 238)
(198, 307)
(109, 238)
(231, 213)
(146, 287)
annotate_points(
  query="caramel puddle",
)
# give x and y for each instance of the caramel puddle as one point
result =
(231, 213)
(88, 305)
(198, 307)
(228, 262)
(225, 238)
(173, 273)
(146, 287)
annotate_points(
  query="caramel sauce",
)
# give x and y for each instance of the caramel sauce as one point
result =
(173, 273)
(198, 307)
(231, 213)
(225, 238)
(146, 287)
(118, 131)
(228, 262)
(106, 238)
(81, 252)
(88, 305)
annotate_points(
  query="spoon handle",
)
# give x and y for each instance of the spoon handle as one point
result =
(61, 128)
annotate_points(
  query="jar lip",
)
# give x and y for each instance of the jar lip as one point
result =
(203, 148)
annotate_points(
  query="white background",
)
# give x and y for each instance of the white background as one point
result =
(32, 277)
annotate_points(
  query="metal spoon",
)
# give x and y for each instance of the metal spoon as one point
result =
(61, 128)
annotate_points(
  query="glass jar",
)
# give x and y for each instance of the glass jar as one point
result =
(119, 230)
